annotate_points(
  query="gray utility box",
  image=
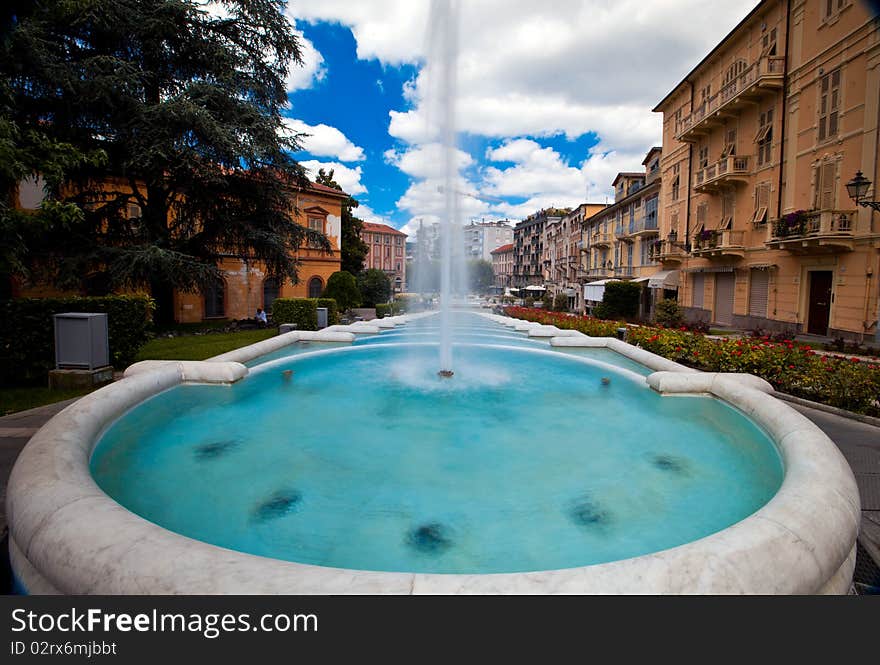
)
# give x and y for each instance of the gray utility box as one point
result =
(81, 341)
(322, 317)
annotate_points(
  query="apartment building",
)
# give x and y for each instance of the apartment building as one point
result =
(502, 266)
(620, 241)
(562, 261)
(759, 142)
(386, 253)
(528, 246)
(481, 238)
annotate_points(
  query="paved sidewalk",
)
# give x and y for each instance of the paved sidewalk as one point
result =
(859, 443)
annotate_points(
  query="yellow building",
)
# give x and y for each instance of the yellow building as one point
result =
(246, 285)
(759, 141)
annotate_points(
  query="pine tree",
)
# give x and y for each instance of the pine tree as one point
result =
(186, 106)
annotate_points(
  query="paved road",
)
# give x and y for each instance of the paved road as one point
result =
(859, 443)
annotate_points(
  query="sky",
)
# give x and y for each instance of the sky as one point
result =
(554, 98)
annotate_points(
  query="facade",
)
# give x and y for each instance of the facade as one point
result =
(481, 238)
(759, 141)
(245, 286)
(620, 241)
(563, 272)
(502, 266)
(528, 247)
(387, 252)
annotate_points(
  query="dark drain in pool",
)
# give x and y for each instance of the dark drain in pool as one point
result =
(430, 538)
(278, 505)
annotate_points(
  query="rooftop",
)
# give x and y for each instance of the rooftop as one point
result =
(370, 227)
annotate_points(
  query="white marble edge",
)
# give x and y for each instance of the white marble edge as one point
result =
(801, 541)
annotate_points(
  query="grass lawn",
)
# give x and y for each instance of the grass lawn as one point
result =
(200, 347)
(20, 399)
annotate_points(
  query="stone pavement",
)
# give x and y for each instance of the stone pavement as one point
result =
(859, 443)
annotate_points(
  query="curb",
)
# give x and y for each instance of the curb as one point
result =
(843, 413)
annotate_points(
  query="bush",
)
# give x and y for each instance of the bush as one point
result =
(560, 302)
(585, 324)
(27, 332)
(343, 289)
(375, 287)
(547, 302)
(384, 309)
(529, 302)
(620, 300)
(301, 311)
(668, 313)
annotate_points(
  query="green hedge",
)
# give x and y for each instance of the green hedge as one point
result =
(384, 309)
(332, 310)
(301, 311)
(27, 332)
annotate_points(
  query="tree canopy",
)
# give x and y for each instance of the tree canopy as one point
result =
(375, 287)
(185, 107)
(342, 287)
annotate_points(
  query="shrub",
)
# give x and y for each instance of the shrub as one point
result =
(332, 310)
(620, 300)
(529, 302)
(668, 313)
(560, 302)
(342, 287)
(547, 301)
(27, 332)
(375, 287)
(301, 311)
(384, 309)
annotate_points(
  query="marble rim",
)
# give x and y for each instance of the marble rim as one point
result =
(68, 536)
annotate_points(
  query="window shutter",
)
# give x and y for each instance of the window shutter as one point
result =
(699, 281)
(827, 177)
(759, 285)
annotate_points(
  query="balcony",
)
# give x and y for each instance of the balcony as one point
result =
(667, 251)
(602, 239)
(599, 273)
(719, 244)
(645, 226)
(758, 80)
(622, 232)
(730, 170)
(623, 272)
(815, 231)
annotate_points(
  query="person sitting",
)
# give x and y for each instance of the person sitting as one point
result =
(262, 321)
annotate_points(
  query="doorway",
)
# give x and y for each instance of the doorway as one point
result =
(724, 289)
(819, 307)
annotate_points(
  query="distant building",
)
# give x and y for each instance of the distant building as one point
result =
(563, 272)
(528, 247)
(502, 265)
(481, 238)
(387, 252)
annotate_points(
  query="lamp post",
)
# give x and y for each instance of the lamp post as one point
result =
(857, 188)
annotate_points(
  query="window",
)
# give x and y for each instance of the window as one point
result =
(398, 241)
(728, 205)
(316, 224)
(703, 159)
(367, 237)
(316, 286)
(768, 43)
(271, 290)
(831, 8)
(134, 211)
(764, 137)
(676, 182)
(729, 143)
(825, 186)
(829, 105)
(215, 307)
(387, 240)
(762, 203)
(705, 93)
(729, 88)
(673, 223)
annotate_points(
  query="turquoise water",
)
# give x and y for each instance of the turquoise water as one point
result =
(524, 460)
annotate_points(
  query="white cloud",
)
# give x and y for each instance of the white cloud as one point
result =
(425, 161)
(348, 178)
(325, 141)
(300, 77)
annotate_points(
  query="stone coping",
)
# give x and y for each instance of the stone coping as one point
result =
(67, 536)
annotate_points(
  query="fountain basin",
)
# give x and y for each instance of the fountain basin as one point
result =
(68, 536)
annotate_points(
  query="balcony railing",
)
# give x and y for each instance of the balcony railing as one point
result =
(726, 170)
(767, 72)
(719, 243)
(645, 225)
(601, 238)
(666, 250)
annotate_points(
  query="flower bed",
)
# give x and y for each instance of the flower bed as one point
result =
(847, 383)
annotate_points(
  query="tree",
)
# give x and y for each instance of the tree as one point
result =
(375, 287)
(481, 275)
(354, 250)
(343, 288)
(186, 105)
(620, 300)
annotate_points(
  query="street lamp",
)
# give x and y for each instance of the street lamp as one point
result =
(857, 188)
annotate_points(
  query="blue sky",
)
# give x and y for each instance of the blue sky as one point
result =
(554, 98)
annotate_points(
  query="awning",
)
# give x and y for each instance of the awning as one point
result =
(761, 266)
(665, 279)
(535, 287)
(711, 269)
(640, 279)
(596, 290)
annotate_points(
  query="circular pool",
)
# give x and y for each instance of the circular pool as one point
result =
(357, 469)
